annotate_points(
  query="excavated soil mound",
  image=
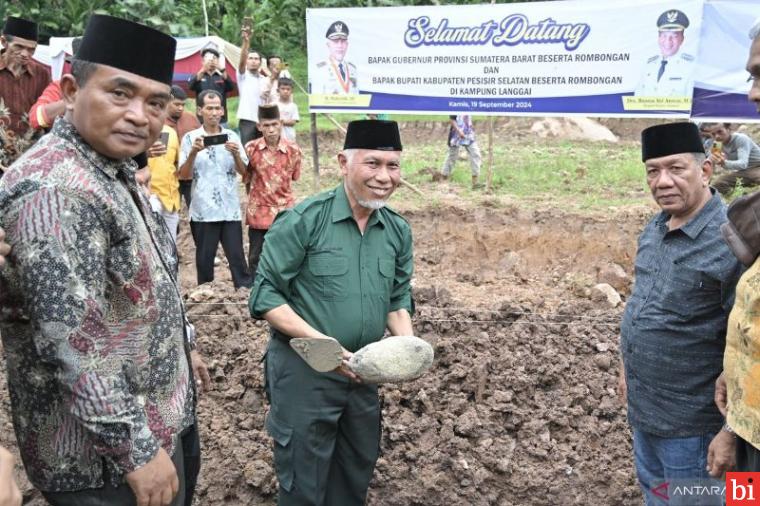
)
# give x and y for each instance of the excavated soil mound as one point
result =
(519, 407)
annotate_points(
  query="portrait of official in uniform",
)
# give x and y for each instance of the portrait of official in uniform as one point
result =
(669, 73)
(335, 75)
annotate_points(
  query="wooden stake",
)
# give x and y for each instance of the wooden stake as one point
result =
(315, 151)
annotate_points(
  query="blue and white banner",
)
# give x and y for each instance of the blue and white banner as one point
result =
(590, 57)
(720, 85)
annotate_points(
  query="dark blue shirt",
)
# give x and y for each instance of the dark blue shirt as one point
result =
(674, 327)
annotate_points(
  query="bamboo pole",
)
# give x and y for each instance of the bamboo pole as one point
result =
(315, 151)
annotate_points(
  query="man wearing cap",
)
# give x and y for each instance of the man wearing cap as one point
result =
(336, 75)
(273, 164)
(22, 79)
(670, 72)
(737, 389)
(209, 77)
(674, 327)
(93, 325)
(338, 264)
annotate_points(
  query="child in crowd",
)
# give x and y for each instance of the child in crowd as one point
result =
(288, 108)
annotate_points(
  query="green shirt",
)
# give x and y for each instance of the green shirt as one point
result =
(341, 282)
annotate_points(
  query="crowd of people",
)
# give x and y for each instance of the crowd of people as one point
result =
(103, 368)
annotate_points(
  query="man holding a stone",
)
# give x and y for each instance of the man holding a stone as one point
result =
(339, 264)
(674, 327)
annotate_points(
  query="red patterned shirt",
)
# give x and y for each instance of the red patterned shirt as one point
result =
(271, 172)
(18, 93)
(91, 317)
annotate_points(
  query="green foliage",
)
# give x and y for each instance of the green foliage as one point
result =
(279, 25)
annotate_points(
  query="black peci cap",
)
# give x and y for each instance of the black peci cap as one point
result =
(269, 112)
(128, 46)
(19, 27)
(670, 139)
(373, 134)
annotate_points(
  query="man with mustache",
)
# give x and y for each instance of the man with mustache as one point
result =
(22, 79)
(99, 355)
(338, 264)
(674, 327)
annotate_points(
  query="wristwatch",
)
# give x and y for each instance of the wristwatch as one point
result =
(727, 428)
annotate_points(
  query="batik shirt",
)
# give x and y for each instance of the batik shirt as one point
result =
(271, 173)
(91, 317)
(215, 181)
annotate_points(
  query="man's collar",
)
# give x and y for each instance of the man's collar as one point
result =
(342, 208)
(110, 167)
(281, 145)
(695, 226)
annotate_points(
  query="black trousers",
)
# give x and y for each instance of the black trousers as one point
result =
(248, 131)
(207, 236)
(255, 244)
(186, 190)
(747, 456)
(187, 460)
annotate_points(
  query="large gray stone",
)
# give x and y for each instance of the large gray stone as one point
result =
(394, 359)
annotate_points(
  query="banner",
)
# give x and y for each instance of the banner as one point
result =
(589, 57)
(721, 87)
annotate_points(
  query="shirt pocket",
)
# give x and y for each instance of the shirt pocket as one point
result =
(387, 269)
(691, 294)
(330, 271)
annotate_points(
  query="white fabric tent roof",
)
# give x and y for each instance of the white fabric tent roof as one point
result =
(54, 54)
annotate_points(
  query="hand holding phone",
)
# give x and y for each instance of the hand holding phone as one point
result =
(213, 140)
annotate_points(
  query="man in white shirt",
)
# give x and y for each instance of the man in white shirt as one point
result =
(288, 109)
(250, 83)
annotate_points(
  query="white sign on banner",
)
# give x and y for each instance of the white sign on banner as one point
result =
(542, 58)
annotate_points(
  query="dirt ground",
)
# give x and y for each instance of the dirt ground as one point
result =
(520, 405)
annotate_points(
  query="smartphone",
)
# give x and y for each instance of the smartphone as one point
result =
(164, 138)
(212, 140)
(248, 23)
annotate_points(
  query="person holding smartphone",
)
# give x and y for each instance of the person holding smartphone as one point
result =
(213, 155)
(163, 156)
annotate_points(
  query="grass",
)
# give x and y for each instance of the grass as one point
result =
(573, 175)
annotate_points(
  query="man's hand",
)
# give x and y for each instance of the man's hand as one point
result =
(5, 248)
(622, 388)
(460, 133)
(232, 147)
(245, 34)
(197, 145)
(200, 372)
(721, 454)
(717, 158)
(156, 483)
(157, 149)
(346, 371)
(721, 394)
(10, 495)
